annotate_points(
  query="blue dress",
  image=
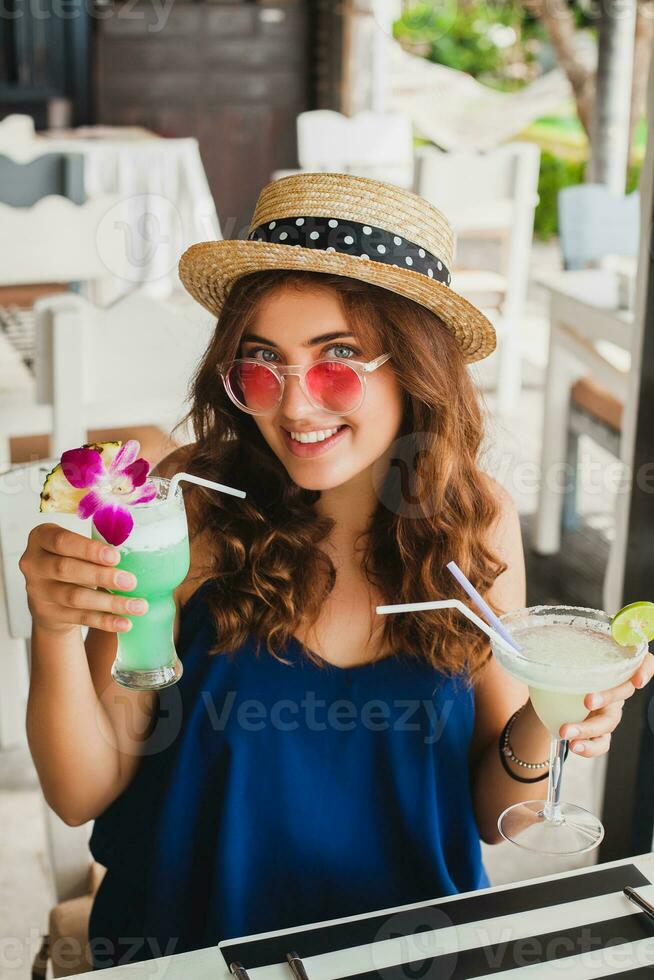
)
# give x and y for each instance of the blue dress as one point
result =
(275, 794)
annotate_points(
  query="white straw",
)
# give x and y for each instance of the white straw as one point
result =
(480, 603)
(189, 478)
(450, 604)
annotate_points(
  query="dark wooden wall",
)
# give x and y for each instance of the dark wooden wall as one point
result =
(44, 56)
(235, 75)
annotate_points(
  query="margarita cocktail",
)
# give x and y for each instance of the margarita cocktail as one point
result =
(157, 553)
(564, 654)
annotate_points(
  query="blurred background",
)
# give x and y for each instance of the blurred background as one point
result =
(130, 130)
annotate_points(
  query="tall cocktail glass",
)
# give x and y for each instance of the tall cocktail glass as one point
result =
(157, 553)
(566, 653)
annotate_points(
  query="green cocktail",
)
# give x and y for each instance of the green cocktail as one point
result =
(157, 553)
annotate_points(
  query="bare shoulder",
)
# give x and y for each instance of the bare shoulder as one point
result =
(174, 462)
(504, 500)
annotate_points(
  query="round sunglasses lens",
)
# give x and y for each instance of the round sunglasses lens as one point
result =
(254, 386)
(334, 386)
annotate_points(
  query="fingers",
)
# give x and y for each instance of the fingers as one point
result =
(593, 747)
(55, 616)
(641, 677)
(596, 725)
(73, 604)
(645, 672)
(78, 597)
(59, 541)
(603, 698)
(592, 737)
(82, 572)
(55, 553)
(66, 575)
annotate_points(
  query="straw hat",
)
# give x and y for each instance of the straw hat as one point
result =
(351, 226)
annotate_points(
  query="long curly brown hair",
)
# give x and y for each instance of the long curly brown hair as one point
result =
(267, 572)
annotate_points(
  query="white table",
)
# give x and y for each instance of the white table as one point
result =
(574, 925)
(166, 204)
(589, 334)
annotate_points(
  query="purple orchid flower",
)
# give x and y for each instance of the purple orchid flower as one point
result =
(112, 491)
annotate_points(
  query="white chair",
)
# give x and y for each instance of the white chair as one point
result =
(597, 228)
(368, 144)
(594, 223)
(24, 184)
(54, 241)
(114, 369)
(576, 403)
(590, 344)
(74, 876)
(491, 195)
(19, 512)
(57, 240)
(19, 491)
(127, 365)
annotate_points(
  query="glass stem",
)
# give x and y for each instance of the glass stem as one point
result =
(552, 809)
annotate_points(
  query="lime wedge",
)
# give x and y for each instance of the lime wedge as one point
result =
(632, 623)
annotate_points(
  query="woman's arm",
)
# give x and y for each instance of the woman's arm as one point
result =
(498, 695)
(85, 732)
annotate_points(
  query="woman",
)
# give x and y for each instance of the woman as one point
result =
(315, 760)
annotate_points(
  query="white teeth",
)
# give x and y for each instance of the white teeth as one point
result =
(318, 436)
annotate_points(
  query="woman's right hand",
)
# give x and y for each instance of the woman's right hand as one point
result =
(65, 575)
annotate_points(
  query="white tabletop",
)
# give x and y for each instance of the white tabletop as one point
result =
(591, 930)
(64, 139)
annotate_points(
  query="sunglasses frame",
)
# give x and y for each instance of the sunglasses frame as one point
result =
(360, 368)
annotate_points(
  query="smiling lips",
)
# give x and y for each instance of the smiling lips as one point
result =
(315, 435)
(314, 443)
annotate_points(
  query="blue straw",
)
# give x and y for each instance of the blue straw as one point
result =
(481, 604)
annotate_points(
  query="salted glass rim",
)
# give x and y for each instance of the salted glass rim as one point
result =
(603, 668)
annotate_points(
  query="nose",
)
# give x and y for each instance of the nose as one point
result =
(295, 405)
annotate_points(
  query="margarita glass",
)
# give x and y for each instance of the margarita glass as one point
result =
(566, 652)
(157, 553)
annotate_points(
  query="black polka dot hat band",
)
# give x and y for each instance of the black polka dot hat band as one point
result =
(345, 225)
(353, 238)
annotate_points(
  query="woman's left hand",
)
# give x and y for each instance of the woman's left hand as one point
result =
(592, 737)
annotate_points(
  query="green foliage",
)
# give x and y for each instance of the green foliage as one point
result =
(481, 39)
(555, 173)
(633, 176)
(500, 44)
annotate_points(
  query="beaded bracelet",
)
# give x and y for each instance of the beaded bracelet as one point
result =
(506, 752)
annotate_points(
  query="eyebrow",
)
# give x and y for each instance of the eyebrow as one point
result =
(322, 339)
